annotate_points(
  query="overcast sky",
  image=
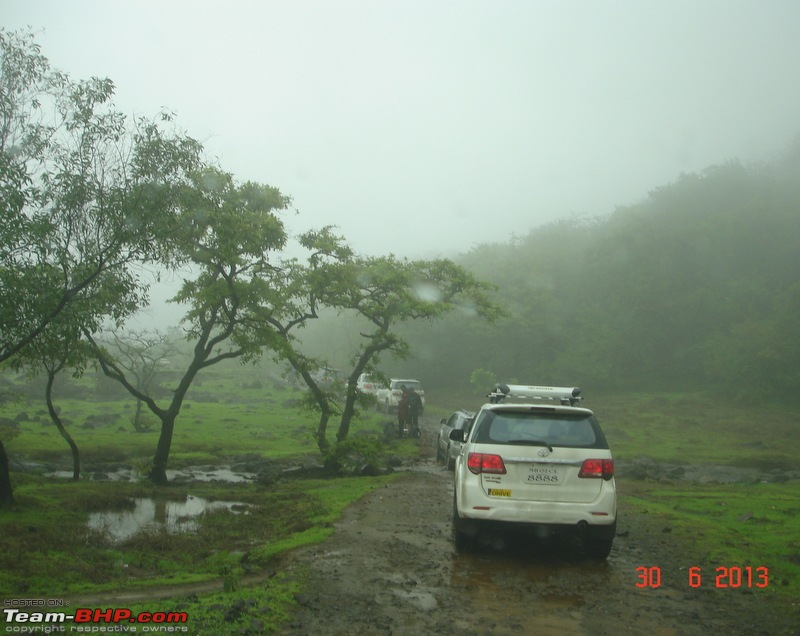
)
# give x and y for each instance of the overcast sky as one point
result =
(423, 127)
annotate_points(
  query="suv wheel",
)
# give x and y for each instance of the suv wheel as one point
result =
(449, 461)
(463, 541)
(598, 549)
(598, 546)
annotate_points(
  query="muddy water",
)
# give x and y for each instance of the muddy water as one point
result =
(148, 515)
(187, 475)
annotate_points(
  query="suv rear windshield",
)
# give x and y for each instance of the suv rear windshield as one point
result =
(532, 428)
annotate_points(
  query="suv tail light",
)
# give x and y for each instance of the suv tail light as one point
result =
(485, 463)
(597, 468)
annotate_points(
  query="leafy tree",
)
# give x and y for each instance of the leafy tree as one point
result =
(83, 194)
(86, 199)
(382, 293)
(295, 299)
(224, 233)
(386, 293)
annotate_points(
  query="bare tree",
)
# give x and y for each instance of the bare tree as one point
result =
(143, 355)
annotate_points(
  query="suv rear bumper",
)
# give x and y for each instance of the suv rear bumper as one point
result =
(600, 512)
(474, 528)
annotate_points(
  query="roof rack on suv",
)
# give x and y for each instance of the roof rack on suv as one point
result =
(565, 395)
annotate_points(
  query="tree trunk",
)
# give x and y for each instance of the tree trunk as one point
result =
(137, 417)
(352, 383)
(6, 491)
(158, 471)
(347, 414)
(76, 460)
(322, 440)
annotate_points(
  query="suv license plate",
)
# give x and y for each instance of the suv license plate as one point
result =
(544, 475)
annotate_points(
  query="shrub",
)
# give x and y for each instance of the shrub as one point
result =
(355, 456)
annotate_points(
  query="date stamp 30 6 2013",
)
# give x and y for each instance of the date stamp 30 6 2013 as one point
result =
(721, 577)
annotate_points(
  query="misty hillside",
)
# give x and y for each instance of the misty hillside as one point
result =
(696, 286)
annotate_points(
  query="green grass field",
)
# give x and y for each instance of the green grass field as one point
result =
(231, 413)
(699, 429)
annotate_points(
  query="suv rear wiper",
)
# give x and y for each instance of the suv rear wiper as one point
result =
(530, 442)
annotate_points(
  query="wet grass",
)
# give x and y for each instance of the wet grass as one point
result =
(699, 429)
(47, 548)
(253, 418)
(725, 525)
(739, 526)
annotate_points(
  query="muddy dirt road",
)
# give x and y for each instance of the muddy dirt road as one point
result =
(390, 569)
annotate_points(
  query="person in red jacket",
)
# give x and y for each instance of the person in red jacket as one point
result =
(402, 411)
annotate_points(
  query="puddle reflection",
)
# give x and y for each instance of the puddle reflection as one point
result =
(149, 515)
(197, 473)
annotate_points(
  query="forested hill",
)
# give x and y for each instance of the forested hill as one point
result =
(696, 286)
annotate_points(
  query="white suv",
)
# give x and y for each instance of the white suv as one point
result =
(367, 384)
(389, 397)
(533, 460)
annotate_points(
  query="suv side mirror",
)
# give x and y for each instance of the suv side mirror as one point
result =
(457, 435)
(442, 421)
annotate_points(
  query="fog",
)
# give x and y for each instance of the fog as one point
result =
(424, 128)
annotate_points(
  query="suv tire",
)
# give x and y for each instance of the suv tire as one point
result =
(463, 541)
(597, 546)
(449, 461)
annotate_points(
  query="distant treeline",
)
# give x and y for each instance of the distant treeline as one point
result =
(697, 286)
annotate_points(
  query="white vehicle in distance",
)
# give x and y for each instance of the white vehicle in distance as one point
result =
(367, 384)
(388, 398)
(534, 461)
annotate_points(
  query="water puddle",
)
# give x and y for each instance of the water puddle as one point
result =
(209, 474)
(194, 473)
(149, 515)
